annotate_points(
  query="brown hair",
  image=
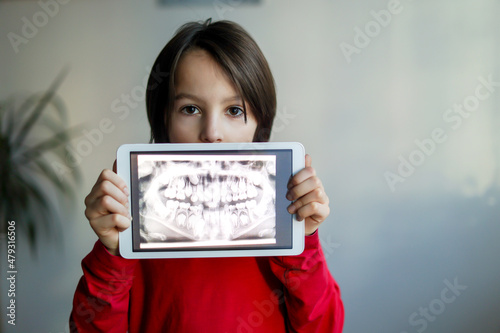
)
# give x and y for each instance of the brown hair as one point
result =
(237, 54)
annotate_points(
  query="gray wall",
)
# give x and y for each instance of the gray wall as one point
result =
(361, 103)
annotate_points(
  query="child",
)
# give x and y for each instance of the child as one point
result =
(220, 90)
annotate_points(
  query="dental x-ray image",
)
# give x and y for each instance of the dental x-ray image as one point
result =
(206, 200)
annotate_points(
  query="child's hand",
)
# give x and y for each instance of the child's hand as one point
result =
(107, 208)
(310, 200)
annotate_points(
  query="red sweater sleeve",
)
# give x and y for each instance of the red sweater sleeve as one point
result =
(312, 296)
(101, 300)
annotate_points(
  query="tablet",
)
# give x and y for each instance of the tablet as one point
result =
(210, 200)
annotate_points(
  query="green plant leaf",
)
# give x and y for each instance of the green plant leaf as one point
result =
(54, 141)
(11, 114)
(49, 173)
(39, 108)
(32, 209)
(55, 118)
(26, 171)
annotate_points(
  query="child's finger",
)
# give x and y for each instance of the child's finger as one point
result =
(314, 210)
(308, 162)
(107, 228)
(105, 224)
(317, 195)
(303, 188)
(301, 176)
(111, 176)
(106, 187)
(105, 205)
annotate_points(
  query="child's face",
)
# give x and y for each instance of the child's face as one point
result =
(207, 107)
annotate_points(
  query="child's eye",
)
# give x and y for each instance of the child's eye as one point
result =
(234, 111)
(190, 110)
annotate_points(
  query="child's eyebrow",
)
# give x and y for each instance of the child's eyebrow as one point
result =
(179, 96)
(186, 96)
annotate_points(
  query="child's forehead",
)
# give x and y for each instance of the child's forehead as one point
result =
(199, 74)
(194, 61)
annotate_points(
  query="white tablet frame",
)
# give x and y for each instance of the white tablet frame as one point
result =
(123, 170)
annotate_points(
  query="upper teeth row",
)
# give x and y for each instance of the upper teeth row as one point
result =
(225, 191)
(174, 177)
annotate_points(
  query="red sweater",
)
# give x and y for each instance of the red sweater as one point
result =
(242, 295)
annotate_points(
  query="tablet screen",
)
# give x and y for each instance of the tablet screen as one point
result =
(210, 200)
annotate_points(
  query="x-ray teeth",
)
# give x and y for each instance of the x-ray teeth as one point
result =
(271, 168)
(193, 178)
(256, 178)
(212, 200)
(181, 219)
(146, 169)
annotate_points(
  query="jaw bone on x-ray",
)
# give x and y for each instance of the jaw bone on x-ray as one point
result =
(207, 200)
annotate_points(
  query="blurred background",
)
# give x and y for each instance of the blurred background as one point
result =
(396, 101)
